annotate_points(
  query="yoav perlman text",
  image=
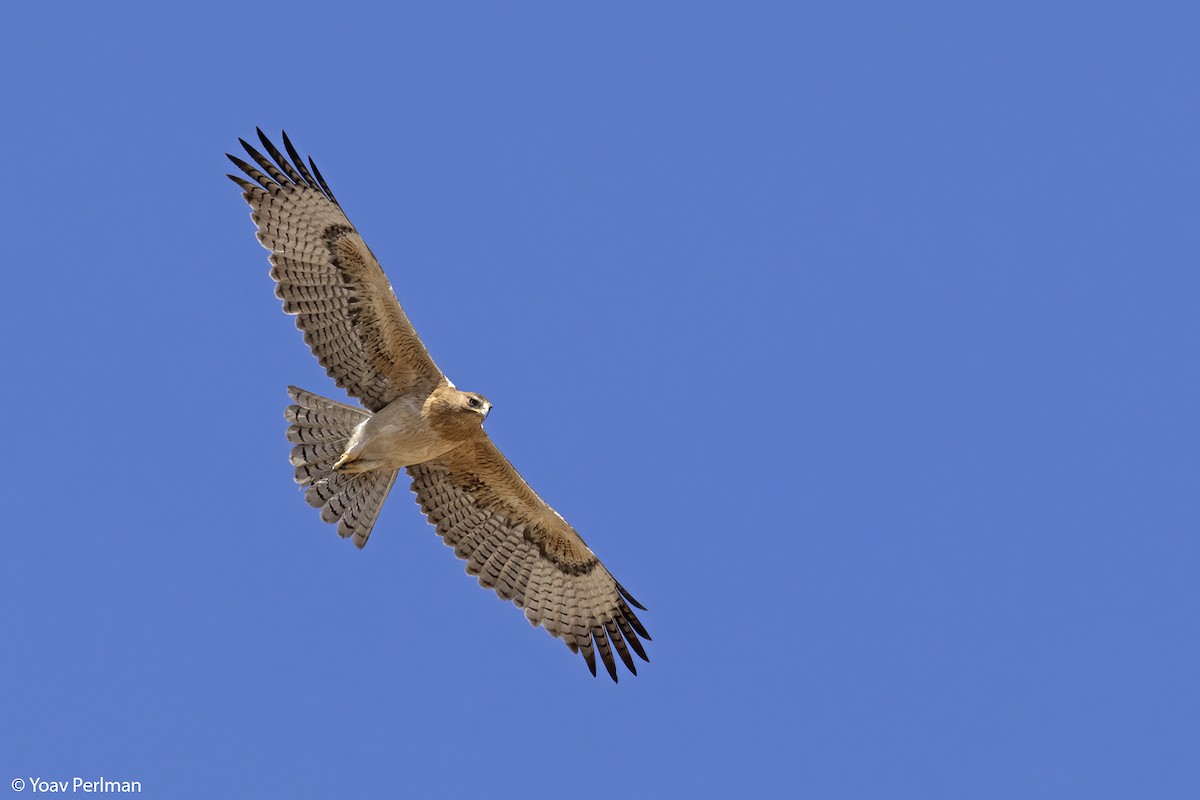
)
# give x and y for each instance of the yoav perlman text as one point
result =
(77, 785)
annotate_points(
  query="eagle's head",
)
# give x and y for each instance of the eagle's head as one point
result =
(475, 403)
(456, 413)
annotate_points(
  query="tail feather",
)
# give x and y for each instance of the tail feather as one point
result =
(358, 505)
(317, 453)
(323, 485)
(320, 430)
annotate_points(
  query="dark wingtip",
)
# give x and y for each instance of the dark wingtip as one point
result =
(590, 658)
(262, 180)
(321, 179)
(245, 185)
(631, 638)
(632, 619)
(291, 148)
(637, 647)
(601, 644)
(262, 137)
(305, 175)
(625, 593)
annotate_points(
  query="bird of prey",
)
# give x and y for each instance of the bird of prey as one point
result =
(414, 419)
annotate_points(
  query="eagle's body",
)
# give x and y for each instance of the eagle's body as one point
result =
(413, 429)
(414, 419)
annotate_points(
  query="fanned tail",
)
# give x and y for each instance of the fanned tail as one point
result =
(320, 429)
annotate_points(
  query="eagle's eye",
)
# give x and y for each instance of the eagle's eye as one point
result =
(474, 402)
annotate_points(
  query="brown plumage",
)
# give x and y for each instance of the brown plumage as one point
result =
(414, 419)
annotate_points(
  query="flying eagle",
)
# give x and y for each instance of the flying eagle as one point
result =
(414, 419)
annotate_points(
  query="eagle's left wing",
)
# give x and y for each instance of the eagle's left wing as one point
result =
(519, 546)
(327, 276)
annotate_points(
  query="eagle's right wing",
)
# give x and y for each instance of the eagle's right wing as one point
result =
(519, 546)
(328, 277)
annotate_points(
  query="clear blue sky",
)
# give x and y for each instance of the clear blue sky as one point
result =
(859, 340)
